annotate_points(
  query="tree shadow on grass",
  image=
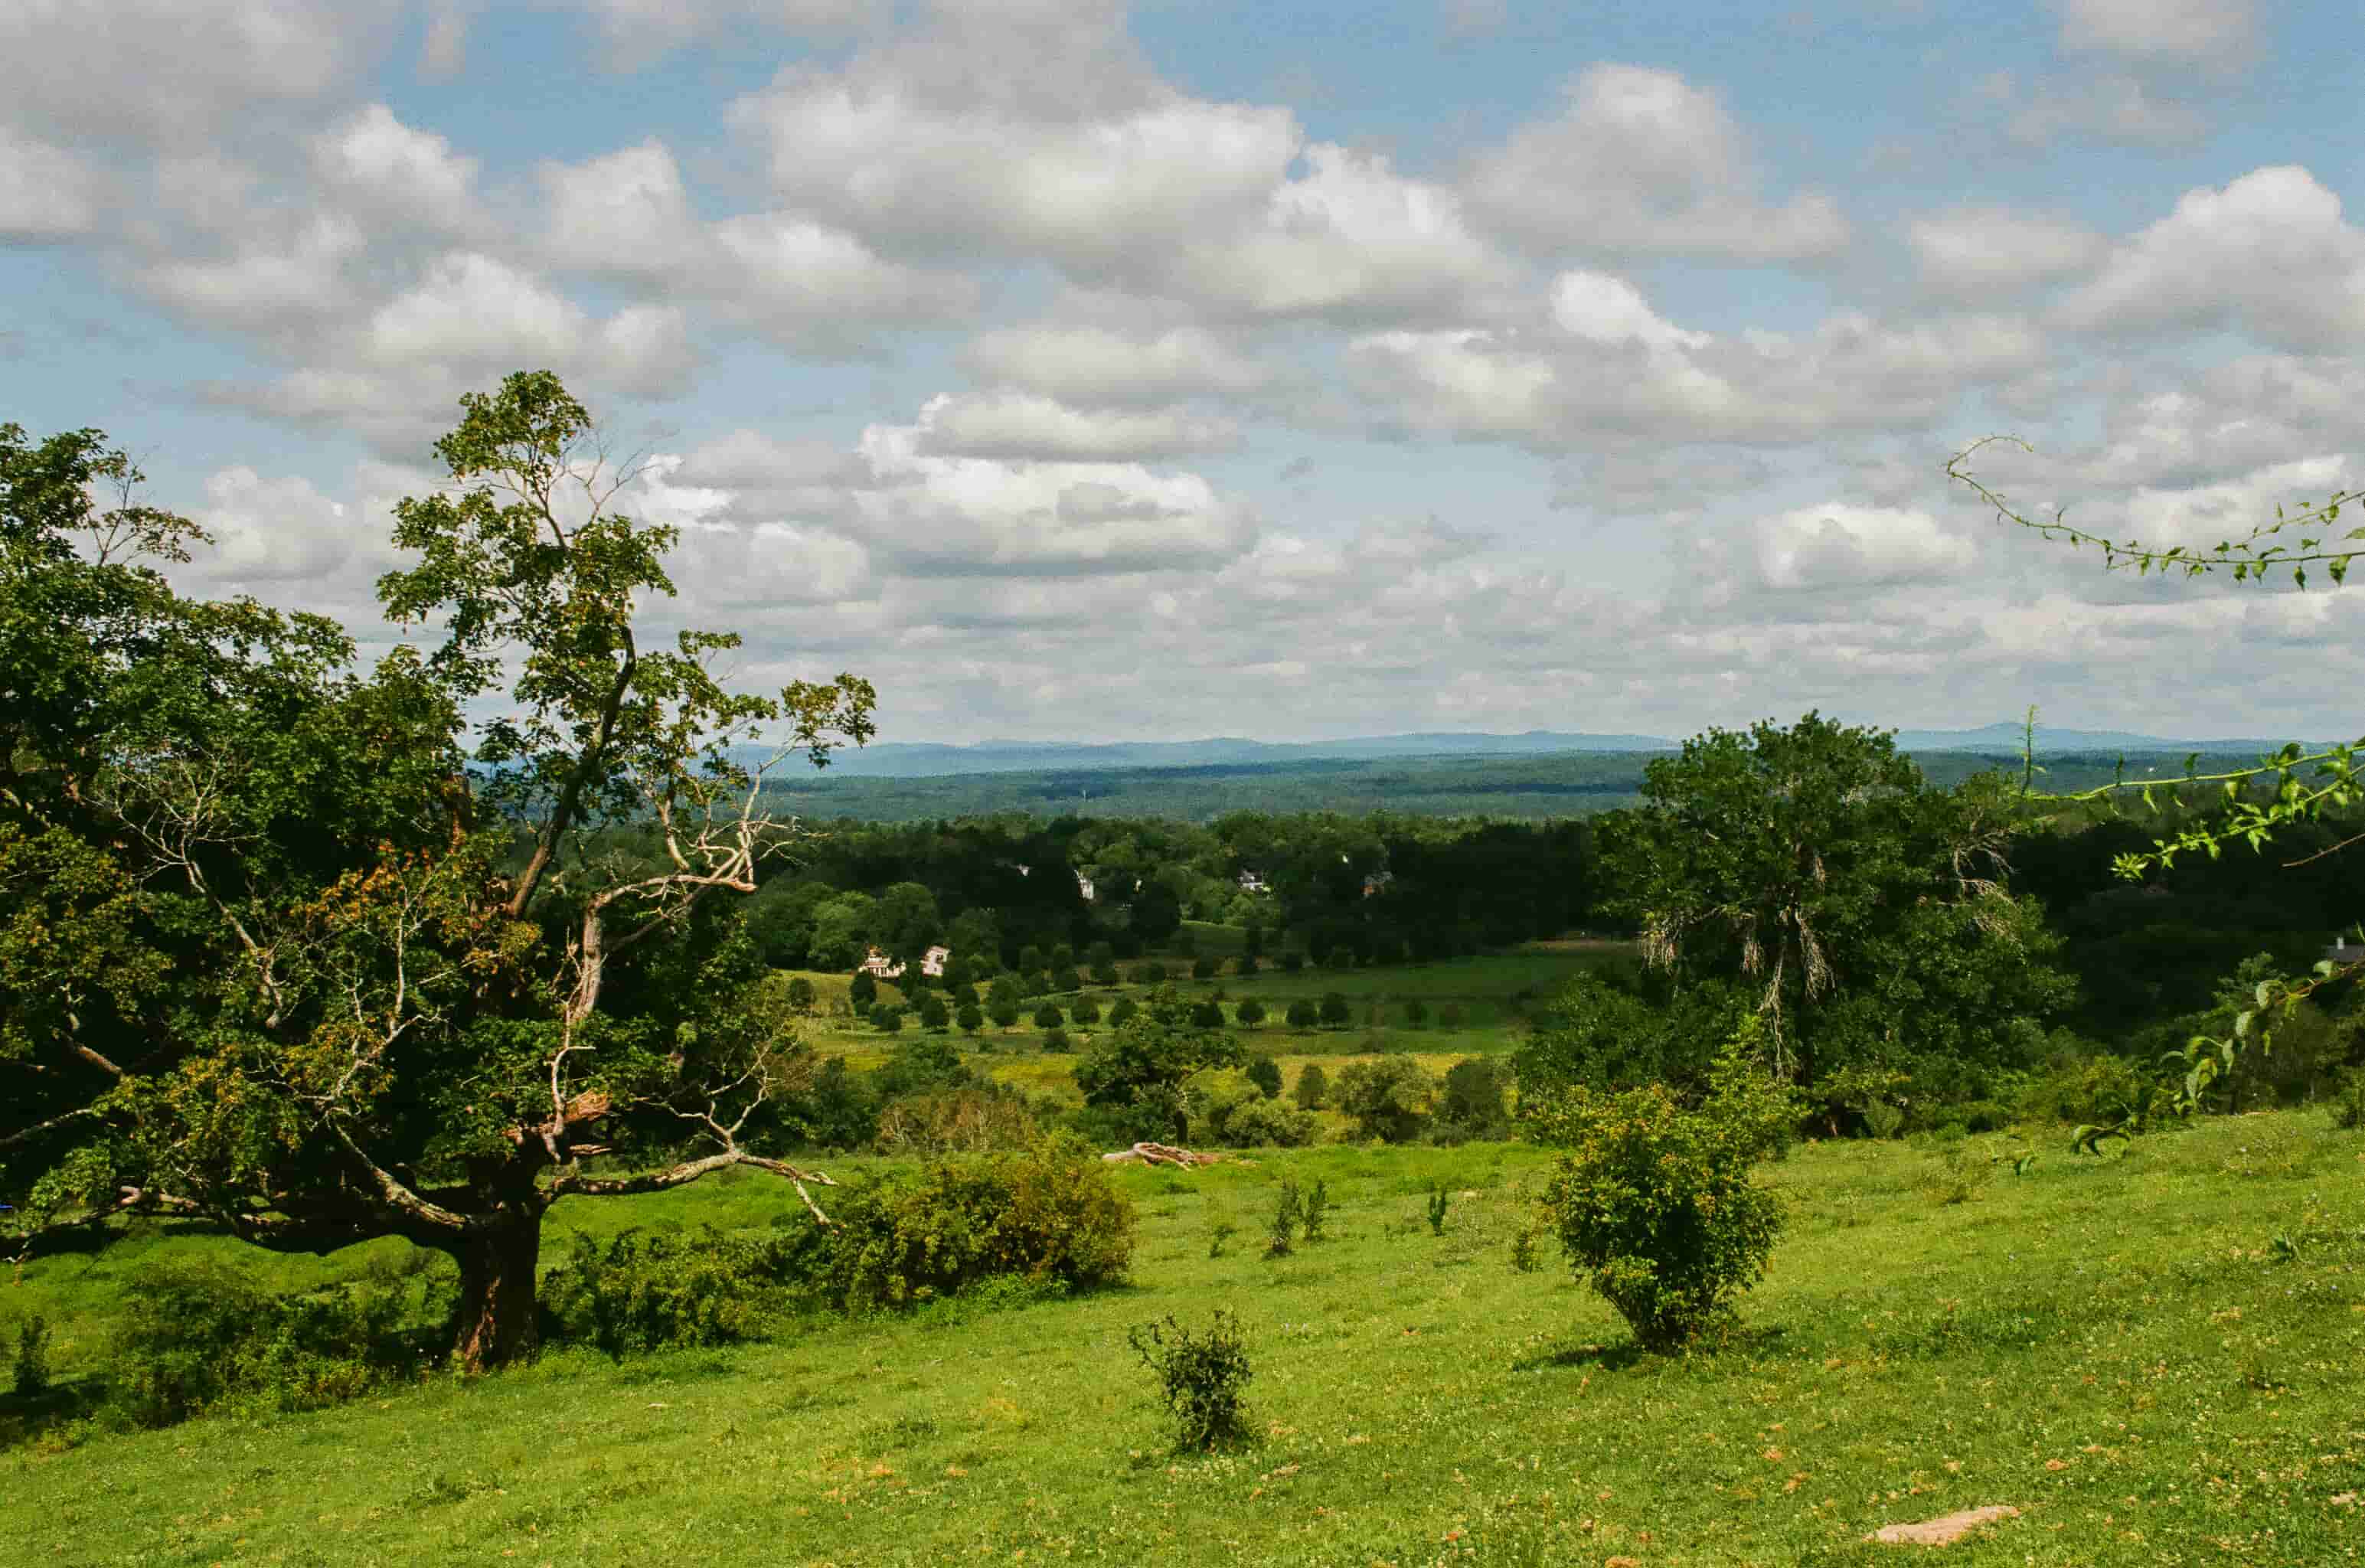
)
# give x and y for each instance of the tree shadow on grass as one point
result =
(1748, 1341)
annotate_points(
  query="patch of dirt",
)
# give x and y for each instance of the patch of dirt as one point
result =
(1939, 1531)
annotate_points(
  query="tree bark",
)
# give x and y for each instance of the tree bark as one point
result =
(497, 1315)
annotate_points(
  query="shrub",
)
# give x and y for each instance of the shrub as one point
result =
(1066, 979)
(1200, 1377)
(1202, 967)
(863, 991)
(934, 1014)
(1104, 971)
(656, 1293)
(1265, 1073)
(1123, 1008)
(201, 1336)
(1003, 1013)
(969, 1018)
(1258, 1122)
(801, 996)
(1220, 1231)
(2349, 1100)
(1654, 1202)
(1206, 1014)
(1291, 961)
(1085, 1011)
(1245, 964)
(1149, 974)
(1438, 1201)
(1288, 1212)
(1030, 959)
(1049, 1214)
(1054, 1040)
(1302, 1014)
(1415, 1012)
(1318, 1209)
(1336, 1014)
(1472, 1101)
(889, 1019)
(918, 1065)
(1049, 1017)
(1249, 1013)
(1450, 1015)
(30, 1369)
(1312, 1087)
(969, 1120)
(1389, 1099)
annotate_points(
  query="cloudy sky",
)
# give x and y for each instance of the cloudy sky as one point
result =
(1280, 369)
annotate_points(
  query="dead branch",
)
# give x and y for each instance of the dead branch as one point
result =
(1160, 1154)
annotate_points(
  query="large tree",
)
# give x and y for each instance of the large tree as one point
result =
(371, 986)
(1863, 909)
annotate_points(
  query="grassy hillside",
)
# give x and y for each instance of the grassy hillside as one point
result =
(2157, 1358)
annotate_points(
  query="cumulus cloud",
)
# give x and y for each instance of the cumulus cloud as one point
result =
(1028, 425)
(409, 175)
(2271, 253)
(1608, 370)
(1976, 253)
(1641, 161)
(154, 73)
(941, 515)
(1836, 545)
(46, 192)
(1111, 366)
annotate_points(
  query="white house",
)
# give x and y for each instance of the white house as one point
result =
(1084, 886)
(1254, 882)
(931, 962)
(880, 967)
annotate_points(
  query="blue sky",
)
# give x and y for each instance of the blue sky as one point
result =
(1080, 370)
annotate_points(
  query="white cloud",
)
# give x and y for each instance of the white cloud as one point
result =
(1836, 545)
(1112, 368)
(1611, 371)
(1972, 253)
(46, 192)
(408, 175)
(160, 73)
(1028, 425)
(624, 212)
(274, 284)
(1605, 309)
(1641, 162)
(2270, 253)
(959, 516)
(2180, 32)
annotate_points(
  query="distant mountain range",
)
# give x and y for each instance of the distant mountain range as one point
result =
(905, 759)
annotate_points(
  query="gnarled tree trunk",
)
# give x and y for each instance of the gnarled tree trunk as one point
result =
(496, 1319)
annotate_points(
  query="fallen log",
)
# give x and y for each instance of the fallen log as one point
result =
(1160, 1154)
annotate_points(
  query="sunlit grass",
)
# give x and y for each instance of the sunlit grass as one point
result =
(2124, 1350)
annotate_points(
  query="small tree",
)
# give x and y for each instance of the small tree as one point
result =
(1312, 1088)
(1265, 1073)
(971, 1019)
(800, 997)
(1390, 1099)
(1104, 971)
(1202, 967)
(1123, 1008)
(1654, 1202)
(934, 1014)
(1250, 1012)
(862, 993)
(1247, 964)
(889, 1018)
(1049, 1017)
(1302, 1014)
(1415, 1012)
(1208, 1014)
(1004, 1013)
(1291, 961)
(1065, 979)
(1336, 1014)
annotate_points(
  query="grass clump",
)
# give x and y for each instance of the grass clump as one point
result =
(1200, 1376)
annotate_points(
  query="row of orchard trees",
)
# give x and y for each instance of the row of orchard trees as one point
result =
(284, 953)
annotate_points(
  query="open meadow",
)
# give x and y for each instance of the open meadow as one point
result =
(2154, 1356)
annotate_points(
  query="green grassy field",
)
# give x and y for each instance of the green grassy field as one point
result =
(2157, 1358)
